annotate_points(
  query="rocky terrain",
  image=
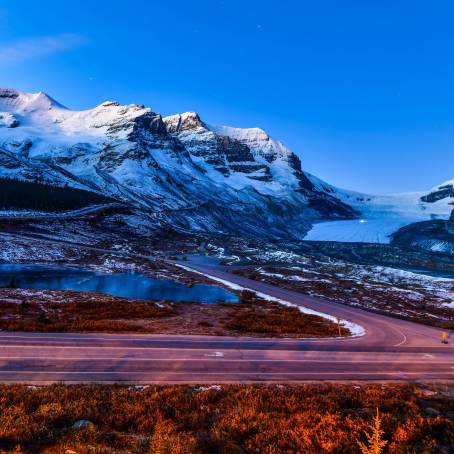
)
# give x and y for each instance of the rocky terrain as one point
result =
(445, 190)
(435, 235)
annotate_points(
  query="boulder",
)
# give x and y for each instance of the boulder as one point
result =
(83, 424)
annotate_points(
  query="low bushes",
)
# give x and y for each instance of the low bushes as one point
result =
(228, 420)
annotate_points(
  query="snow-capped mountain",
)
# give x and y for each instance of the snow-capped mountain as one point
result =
(178, 170)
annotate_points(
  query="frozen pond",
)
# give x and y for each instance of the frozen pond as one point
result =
(126, 285)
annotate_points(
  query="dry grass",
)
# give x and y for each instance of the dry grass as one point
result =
(274, 320)
(232, 419)
(69, 311)
(389, 298)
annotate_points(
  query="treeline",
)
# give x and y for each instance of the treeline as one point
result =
(24, 195)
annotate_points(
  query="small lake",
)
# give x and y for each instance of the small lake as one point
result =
(126, 285)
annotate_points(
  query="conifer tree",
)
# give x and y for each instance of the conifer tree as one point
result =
(375, 443)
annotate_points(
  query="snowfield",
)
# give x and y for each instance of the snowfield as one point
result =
(381, 216)
(371, 231)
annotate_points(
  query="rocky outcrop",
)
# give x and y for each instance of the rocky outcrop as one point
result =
(441, 192)
(435, 236)
(8, 120)
(450, 224)
(250, 159)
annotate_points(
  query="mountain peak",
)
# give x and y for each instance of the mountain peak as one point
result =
(20, 102)
(183, 122)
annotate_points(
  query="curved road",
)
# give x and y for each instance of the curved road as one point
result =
(382, 332)
(391, 349)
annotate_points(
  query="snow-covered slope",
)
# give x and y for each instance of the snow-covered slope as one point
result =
(179, 170)
(381, 216)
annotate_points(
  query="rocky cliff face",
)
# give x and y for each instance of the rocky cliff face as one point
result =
(450, 224)
(179, 170)
(434, 236)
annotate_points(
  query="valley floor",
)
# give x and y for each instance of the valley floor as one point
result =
(377, 277)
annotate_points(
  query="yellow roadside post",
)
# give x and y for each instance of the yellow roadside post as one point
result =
(444, 336)
(339, 326)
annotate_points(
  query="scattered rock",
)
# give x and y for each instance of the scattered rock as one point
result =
(83, 424)
(138, 388)
(203, 389)
(429, 392)
(429, 411)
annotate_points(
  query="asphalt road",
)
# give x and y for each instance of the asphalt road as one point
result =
(70, 214)
(391, 350)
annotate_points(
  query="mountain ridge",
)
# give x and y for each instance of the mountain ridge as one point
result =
(178, 168)
(180, 171)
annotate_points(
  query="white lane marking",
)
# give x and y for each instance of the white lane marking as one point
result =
(217, 354)
(218, 373)
(151, 348)
(236, 350)
(403, 342)
(429, 356)
(355, 329)
(237, 360)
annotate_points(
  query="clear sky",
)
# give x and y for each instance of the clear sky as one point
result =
(362, 91)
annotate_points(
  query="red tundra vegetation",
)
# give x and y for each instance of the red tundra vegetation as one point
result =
(226, 419)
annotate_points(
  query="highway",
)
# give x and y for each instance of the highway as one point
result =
(9, 216)
(390, 350)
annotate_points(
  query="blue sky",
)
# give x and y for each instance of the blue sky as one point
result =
(362, 91)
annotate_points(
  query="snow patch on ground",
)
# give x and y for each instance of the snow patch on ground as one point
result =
(355, 329)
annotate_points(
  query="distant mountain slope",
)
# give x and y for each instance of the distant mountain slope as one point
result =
(434, 235)
(381, 216)
(179, 170)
